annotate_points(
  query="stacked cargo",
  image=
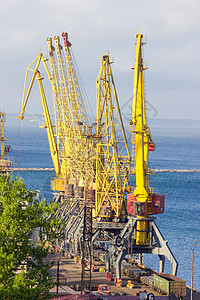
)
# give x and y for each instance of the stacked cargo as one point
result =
(79, 192)
(170, 284)
(148, 280)
(135, 272)
(90, 194)
(69, 189)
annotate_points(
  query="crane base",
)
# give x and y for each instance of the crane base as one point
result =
(125, 243)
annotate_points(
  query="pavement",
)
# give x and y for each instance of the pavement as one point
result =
(70, 279)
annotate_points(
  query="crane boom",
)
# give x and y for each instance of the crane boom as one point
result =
(68, 145)
(139, 120)
(49, 126)
(61, 111)
(73, 85)
(113, 159)
(78, 129)
(143, 198)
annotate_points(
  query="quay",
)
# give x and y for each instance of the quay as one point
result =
(70, 282)
(155, 170)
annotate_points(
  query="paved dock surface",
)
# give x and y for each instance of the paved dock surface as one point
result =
(70, 281)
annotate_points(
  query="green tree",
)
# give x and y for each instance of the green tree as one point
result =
(24, 274)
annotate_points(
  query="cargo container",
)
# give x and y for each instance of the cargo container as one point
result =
(148, 280)
(102, 256)
(90, 194)
(170, 284)
(125, 265)
(69, 189)
(135, 272)
(79, 192)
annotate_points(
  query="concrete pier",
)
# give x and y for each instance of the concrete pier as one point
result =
(155, 170)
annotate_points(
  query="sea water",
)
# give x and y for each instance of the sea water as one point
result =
(177, 149)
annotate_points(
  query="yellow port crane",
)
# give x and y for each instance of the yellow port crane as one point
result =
(71, 122)
(76, 99)
(49, 126)
(143, 199)
(65, 131)
(60, 115)
(79, 124)
(69, 143)
(5, 165)
(113, 158)
(140, 234)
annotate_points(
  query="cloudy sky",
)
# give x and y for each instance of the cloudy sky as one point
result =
(172, 29)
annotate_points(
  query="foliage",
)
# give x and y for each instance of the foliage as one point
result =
(24, 274)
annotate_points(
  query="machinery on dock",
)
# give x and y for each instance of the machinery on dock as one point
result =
(71, 144)
(94, 169)
(5, 164)
(140, 234)
(112, 153)
(68, 138)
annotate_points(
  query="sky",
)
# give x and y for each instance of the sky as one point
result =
(172, 53)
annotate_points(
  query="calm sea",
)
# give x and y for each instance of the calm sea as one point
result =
(175, 149)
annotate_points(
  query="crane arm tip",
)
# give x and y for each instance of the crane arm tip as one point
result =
(21, 117)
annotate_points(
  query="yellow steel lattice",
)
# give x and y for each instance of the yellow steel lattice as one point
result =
(113, 159)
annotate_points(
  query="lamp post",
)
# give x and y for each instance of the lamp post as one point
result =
(58, 262)
(192, 267)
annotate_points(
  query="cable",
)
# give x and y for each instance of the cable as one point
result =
(19, 133)
(84, 91)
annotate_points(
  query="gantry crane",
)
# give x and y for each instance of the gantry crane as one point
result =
(69, 143)
(5, 164)
(99, 164)
(61, 116)
(76, 99)
(141, 235)
(107, 207)
(71, 118)
(48, 123)
(144, 201)
(71, 146)
(112, 158)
